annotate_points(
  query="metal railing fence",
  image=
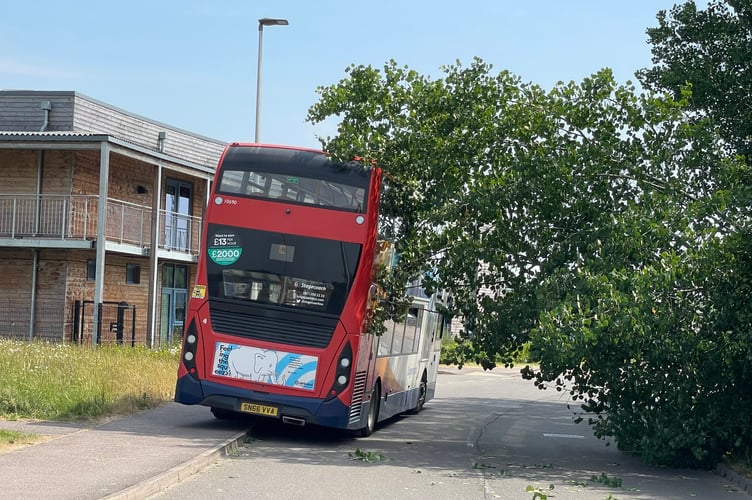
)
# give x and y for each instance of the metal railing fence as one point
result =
(48, 216)
(74, 217)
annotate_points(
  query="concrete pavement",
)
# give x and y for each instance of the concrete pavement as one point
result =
(126, 458)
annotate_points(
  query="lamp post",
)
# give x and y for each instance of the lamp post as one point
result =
(263, 22)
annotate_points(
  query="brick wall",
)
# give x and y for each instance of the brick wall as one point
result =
(56, 172)
(125, 174)
(61, 281)
(79, 288)
(17, 167)
(15, 267)
(19, 171)
(15, 294)
(49, 317)
(115, 290)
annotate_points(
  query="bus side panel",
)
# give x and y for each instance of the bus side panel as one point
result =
(364, 378)
(399, 379)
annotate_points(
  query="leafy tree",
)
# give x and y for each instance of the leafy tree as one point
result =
(601, 225)
(709, 50)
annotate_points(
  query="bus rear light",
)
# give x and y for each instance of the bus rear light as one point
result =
(342, 375)
(189, 350)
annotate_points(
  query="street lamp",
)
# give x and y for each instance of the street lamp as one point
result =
(263, 22)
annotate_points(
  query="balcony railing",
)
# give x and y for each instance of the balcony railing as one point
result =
(128, 223)
(180, 232)
(48, 216)
(74, 217)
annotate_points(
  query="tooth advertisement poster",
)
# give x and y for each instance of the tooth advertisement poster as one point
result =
(265, 365)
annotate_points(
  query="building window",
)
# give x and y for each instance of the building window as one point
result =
(174, 301)
(132, 274)
(91, 270)
(177, 222)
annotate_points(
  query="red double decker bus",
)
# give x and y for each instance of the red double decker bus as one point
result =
(277, 324)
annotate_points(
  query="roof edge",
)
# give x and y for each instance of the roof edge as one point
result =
(78, 95)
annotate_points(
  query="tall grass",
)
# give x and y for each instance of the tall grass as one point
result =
(71, 382)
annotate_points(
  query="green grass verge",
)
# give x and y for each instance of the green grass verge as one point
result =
(48, 381)
(14, 439)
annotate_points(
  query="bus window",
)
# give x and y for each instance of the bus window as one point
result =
(385, 340)
(411, 326)
(327, 193)
(421, 318)
(255, 183)
(232, 182)
(259, 287)
(399, 336)
(285, 270)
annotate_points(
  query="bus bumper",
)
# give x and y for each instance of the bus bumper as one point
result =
(331, 413)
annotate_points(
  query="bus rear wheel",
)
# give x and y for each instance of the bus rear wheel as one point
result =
(422, 391)
(373, 413)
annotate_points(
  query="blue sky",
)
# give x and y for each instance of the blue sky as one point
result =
(192, 64)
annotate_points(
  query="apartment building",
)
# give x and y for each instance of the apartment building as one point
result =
(100, 219)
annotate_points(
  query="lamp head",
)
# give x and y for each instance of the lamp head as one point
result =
(266, 21)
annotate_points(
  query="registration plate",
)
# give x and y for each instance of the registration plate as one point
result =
(267, 411)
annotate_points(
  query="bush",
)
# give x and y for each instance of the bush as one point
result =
(458, 351)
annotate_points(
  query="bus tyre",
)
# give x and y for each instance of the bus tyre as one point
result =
(373, 413)
(422, 390)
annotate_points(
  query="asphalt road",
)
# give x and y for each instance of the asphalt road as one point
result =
(486, 435)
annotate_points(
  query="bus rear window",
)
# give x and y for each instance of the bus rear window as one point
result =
(262, 267)
(293, 188)
(275, 289)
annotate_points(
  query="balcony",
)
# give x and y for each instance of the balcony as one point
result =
(70, 221)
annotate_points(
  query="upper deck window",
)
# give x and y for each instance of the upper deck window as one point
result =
(293, 176)
(292, 188)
